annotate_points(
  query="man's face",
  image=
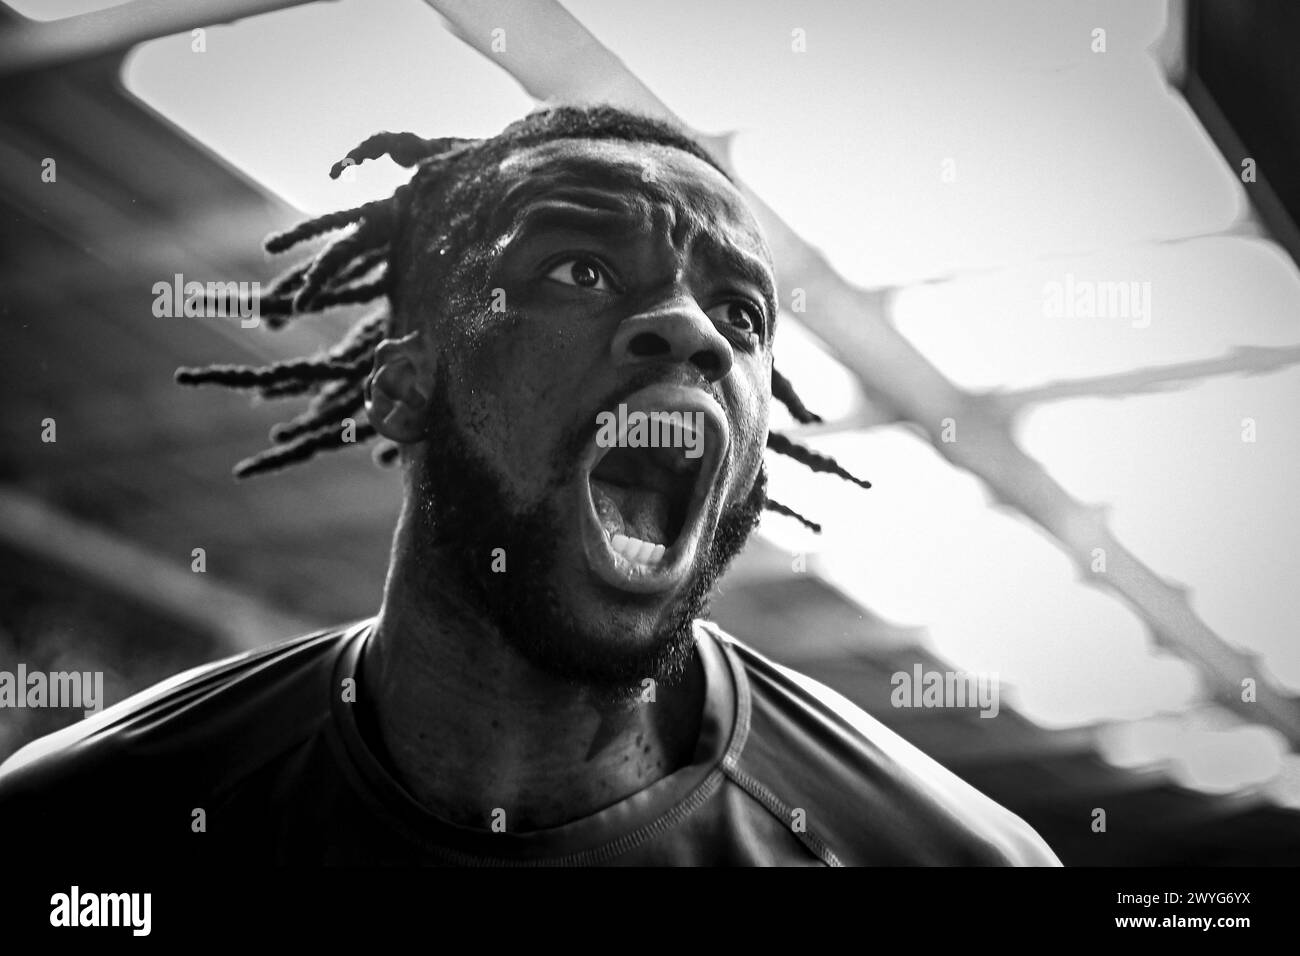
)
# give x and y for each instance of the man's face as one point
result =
(614, 274)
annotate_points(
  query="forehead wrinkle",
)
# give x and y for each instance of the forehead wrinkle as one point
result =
(618, 187)
(732, 258)
(597, 183)
(598, 212)
(689, 230)
(616, 182)
(572, 213)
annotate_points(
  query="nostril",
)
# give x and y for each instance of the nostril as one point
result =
(648, 345)
(677, 335)
(707, 361)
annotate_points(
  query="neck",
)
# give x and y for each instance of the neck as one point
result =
(470, 727)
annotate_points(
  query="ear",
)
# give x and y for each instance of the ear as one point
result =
(397, 391)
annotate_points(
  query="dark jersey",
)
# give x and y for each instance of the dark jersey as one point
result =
(259, 759)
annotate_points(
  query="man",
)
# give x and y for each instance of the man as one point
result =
(538, 686)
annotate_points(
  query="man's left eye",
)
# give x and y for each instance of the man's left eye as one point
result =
(740, 314)
(582, 272)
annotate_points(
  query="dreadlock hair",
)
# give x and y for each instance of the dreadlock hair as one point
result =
(368, 262)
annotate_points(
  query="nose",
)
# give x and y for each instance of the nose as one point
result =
(675, 331)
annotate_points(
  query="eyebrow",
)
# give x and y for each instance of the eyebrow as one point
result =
(748, 267)
(603, 217)
(580, 214)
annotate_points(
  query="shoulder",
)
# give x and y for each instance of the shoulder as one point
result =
(867, 794)
(198, 733)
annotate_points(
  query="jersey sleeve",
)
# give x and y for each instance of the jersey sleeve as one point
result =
(1016, 842)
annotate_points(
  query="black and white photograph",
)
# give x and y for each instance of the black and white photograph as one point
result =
(681, 434)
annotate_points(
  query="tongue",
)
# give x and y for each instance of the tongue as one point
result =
(637, 512)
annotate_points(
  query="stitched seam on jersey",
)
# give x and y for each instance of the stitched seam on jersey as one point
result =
(629, 841)
(696, 799)
(774, 805)
(608, 851)
(744, 702)
(779, 670)
(731, 762)
(701, 793)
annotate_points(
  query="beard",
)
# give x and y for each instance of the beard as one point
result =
(465, 511)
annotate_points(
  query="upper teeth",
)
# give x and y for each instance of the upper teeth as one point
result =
(634, 549)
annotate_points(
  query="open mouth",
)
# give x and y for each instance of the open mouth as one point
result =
(644, 495)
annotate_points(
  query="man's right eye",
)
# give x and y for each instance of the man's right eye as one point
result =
(581, 271)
